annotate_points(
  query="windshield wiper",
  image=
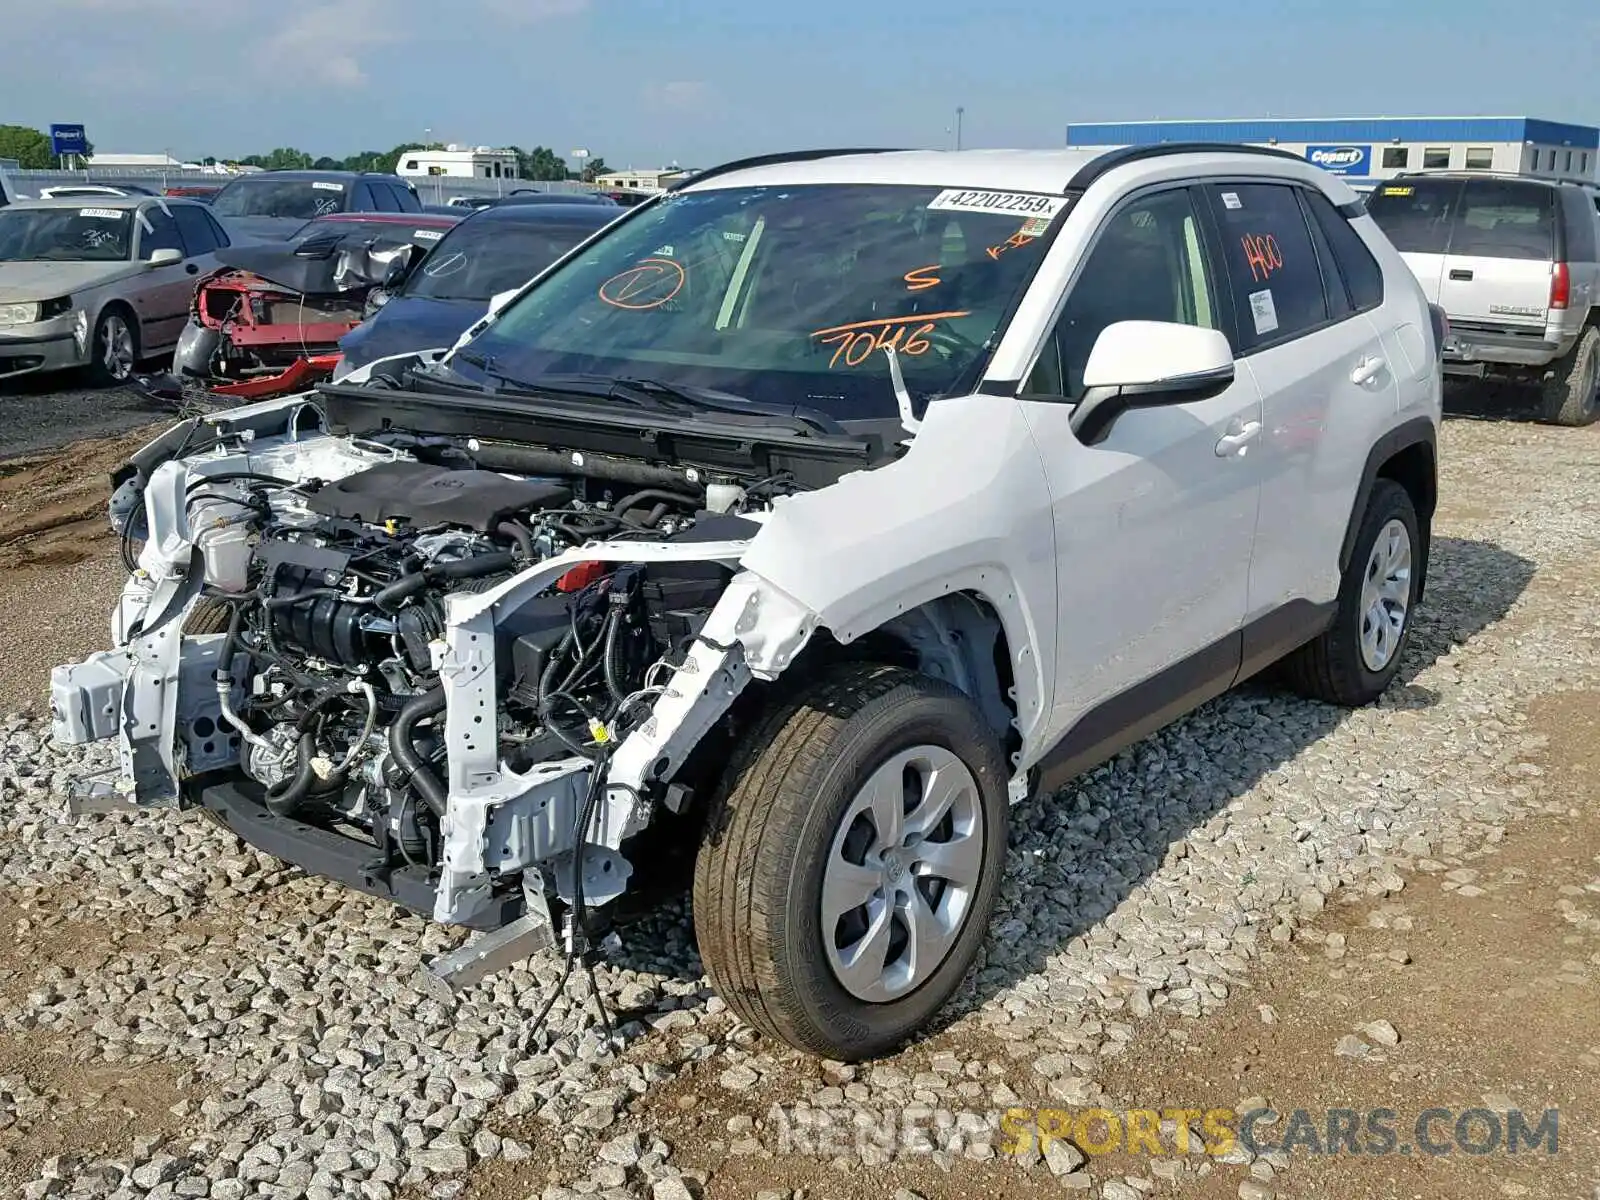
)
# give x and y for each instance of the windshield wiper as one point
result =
(682, 398)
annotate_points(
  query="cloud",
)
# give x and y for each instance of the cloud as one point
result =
(527, 12)
(325, 42)
(680, 94)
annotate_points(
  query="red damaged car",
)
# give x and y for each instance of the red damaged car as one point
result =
(269, 320)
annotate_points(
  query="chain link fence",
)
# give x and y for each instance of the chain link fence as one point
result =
(433, 189)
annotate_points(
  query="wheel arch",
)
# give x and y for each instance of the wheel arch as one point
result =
(1407, 455)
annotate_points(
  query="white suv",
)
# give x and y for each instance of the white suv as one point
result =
(801, 520)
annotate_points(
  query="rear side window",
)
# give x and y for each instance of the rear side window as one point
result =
(1416, 214)
(1363, 278)
(1505, 219)
(404, 200)
(1580, 226)
(1272, 265)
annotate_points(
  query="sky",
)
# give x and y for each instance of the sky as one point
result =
(650, 82)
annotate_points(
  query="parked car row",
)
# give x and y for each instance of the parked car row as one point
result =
(108, 281)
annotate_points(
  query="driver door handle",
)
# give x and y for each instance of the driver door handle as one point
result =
(1367, 370)
(1237, 443)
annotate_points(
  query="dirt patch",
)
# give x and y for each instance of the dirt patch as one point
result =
(53, 504)
(59, 570)
(57, 1105)
(1490, 975)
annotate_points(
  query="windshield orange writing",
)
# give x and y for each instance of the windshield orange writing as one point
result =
(922, 278)
(1013, 242)
(650, 284)
(1262, 255)
(857, 341)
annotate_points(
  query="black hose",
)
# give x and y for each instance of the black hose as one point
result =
(639, 497)
(283, 798)
(403, 748)
(520, 535)
(388, 599)
(613, 655)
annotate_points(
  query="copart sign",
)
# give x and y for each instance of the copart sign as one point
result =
(1341, 160)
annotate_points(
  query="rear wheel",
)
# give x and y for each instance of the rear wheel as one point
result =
(1570, 395)
(1357, 657)
(851, 861)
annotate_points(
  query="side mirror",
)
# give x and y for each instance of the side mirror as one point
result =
(1147, 364)
(395, 274)
(164, 258)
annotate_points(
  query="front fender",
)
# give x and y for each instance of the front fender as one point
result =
(967, 508)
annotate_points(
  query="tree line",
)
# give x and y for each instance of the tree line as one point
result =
(31, 149)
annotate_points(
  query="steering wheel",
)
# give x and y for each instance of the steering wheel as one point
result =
(950, 343)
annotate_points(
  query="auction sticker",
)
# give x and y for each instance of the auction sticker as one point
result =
(1027, 204)
(427, 235)
(1264, 311)
(324, 186)
(104, 214)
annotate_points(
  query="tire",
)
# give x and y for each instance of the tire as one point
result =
(114, 351)
(1570, 395)
(1337, 667)
(209, 615)
(776, 825)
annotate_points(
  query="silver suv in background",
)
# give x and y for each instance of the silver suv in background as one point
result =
(1513, 263)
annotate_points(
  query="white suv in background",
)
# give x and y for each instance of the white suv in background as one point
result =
(804, 518)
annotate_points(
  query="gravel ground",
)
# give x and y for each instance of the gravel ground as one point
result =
(268, 1036)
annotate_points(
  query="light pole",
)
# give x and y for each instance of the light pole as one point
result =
(960, 112)
(582, 156)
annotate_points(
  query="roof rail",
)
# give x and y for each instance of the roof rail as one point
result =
(769, 160)
(1463, 173)
(1112, 159)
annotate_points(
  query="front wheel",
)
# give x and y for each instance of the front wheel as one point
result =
(1357, 656)
(851, 861)
(115, 349)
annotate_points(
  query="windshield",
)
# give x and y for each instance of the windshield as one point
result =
(483, 258)
(783, 294)
(302, 198)
(66, 234)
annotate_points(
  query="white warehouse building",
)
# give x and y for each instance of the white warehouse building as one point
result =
(1366, 150)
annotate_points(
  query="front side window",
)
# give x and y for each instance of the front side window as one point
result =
(1147, 264)
(86, 234)
(198, 232)
(158, 231)
(785, 294)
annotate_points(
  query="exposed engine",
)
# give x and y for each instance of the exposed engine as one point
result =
(334, 599)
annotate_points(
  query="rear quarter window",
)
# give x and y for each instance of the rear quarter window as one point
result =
(1580, 226)
(1505, 219)
(1353, 262)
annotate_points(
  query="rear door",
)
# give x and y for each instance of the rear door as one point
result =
(1416, 215)
(1503, 245)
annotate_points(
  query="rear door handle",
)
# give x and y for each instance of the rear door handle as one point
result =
(1367, 370)
(1461, 276)
(1238, 443)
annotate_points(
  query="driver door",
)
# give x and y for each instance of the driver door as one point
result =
(162, 294)
(1154, 525)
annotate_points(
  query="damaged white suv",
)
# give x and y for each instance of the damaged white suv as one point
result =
(800, 521)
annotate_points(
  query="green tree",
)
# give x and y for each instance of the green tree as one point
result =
(28, 146)
(593, 168)
(285, 158)
(540, 163)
